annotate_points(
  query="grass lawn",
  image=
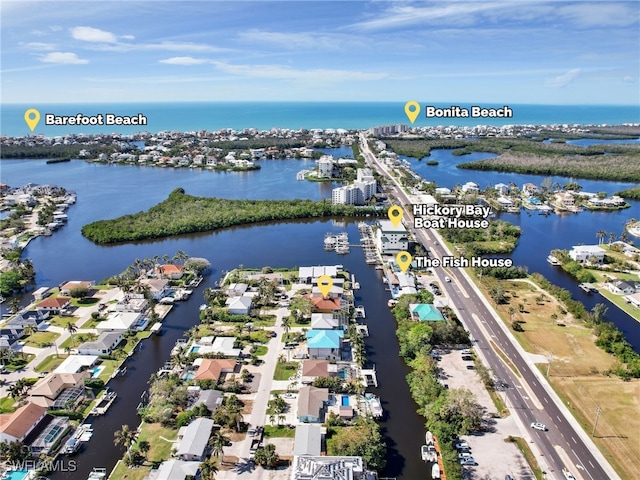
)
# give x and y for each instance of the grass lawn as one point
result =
(281, 431)
(6, 404)
(264, 321)
(603, 276)
(619, 301)
(122, 472)
(84, 302)
(160, 449)
(284, 370)
(60, 321)
(19, 361)
(77, 339)
(91, 323)
(261, 350)
(49, 363)
(41, 339)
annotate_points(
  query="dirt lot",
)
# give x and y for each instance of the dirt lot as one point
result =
(494, 456)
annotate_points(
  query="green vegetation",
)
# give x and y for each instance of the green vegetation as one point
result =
(363, 438)
(6, 404)
(284, 370)
(50, 151)
(500, 237)
(630, 193)
(279, 431)
(19, 275)
(529, 156)
(181, 213)
(49, 363)
(573, 268)
(528, 455)
(41, 339)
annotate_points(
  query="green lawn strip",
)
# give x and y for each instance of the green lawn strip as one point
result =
(160, 449)
(50, 363)
(502, 409)
(603, 275)
(7, 404)
(264, 321)
(261, 350)
(41, 339)
(284, 370)
(20, 361)
(91, 323)
(282, 431)
(523, 446)
(619, 302)
(59, 321)
(84, 302)
(122, 472)
(77, 339)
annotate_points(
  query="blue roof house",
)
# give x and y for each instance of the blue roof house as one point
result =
(324, 344)
(425, 312)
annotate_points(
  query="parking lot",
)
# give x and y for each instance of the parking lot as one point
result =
(495, 458)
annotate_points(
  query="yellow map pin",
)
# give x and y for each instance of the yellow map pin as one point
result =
(325, 282)
(395, 214)
(403, 259)
(32, 117)
(412, 109)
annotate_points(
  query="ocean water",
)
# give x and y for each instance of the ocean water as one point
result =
(214, 116)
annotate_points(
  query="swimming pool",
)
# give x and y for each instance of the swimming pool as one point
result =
(95, 371)
(345, 401)
(17, 475)
(194, 349)
(189, 376)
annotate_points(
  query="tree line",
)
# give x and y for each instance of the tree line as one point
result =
(182, 213)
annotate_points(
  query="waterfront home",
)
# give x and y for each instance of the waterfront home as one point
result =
(505, 201)
(620, 287)
(194, 439)
(269, 277)
(587, 253)
(312, 369)
(311, 404)
(103, 345)
(325, 321)
(175, 470)
(530, 189)
(336, 291)
(9, 337)
(239, 305)
(565, 199)
(470, 187)
(442, 191)
(211, 399)
(14, 427)
(41, 293)
(76, 363)
(59, 390)
(169, 270)
(310, 275)
(425, 312)
(306, 467)
(325, 166)
(390, 239)
(210, 344)
(308, 440)
(633, 299)
(325, 344)
(132, 302)
(237, 289)
(213, 368)
(35, 318)
(119, 321)
(158, 287)
(502, 188)
(55, 305)
(326, 305)
(65, 288)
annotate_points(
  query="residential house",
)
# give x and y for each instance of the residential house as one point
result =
(530, 189)
(425, 312)
(470, 187)
(41, 293)
(194, 439)
(132, 302)
(103, 345)
(308, 440)
(169, 270)
(502, 188)
(237, 289)
(324, 321)
(633, 299)
(158, 287)
(14, 427)
(176, 470)
(390, 239)
(119, 321)
(325, 344)
(239, 305)
(55, 305)
(587, 253)
(56, 390)
(306, 467)
(443, 191)
(76, 363)
(34, 318)
(620, 287)
(312, 369)
(213, 368)
(310, 275)
(565, 199)
(211, 399)
(311, 404)
(66, 288)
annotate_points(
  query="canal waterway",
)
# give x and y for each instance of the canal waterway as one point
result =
(107, 191)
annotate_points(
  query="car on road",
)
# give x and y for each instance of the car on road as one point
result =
(567, 474)
(467, 461)
(447, 279)
(539, 426)
(273, 334)
(470, 367)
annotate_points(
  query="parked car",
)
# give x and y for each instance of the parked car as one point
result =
(508, 477)
(466, 351)
(273, 334)
(468, 461)
(539, 426)
(462, 444)
(467, 358)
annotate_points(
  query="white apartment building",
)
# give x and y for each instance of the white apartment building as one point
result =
(390, 239)
(357, 193)
(325, 166)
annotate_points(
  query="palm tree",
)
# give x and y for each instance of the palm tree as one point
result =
(125, 437)
(286, 324)
(72, 329)
(612, 237)
(217, 443)
(5, 354)
(600, 234)
(208, 469)
(14, 305)
(143, 447)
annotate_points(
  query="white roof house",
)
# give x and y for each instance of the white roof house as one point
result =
(224, 345)
(239, 305)
(177, 470)
(76, 363)
(587, 253)
(324, 321)
(195, 437)
(119, 321)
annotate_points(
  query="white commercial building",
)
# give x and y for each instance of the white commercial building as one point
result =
(390, 239)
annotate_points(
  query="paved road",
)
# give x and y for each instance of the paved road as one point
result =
(565, 444)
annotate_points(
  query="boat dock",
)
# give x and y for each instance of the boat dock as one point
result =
(337, 242)
(368, 242)
(372, 405)
(588, 287)
(369, 376)
(104, 402)
(553, 261)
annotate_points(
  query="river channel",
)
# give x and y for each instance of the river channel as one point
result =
(106, 191)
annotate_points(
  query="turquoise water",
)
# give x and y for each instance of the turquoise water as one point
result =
(345, 401)
(17, 475)
(295, 115)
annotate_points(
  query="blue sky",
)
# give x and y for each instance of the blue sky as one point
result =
(493, 52)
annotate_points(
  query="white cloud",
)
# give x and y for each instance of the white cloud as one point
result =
(564, 79)
(629, 78)
(63, 57)
(127, 37)
(183, 61)
(302, 40)
(287, 73)
(90, 34)
(38, 46)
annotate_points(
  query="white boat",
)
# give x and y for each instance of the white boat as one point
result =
(424, 452)
(82, 434)
(435, 471)
(203, 307)
(428, 438)
(97, 474)
(373, 404)
(156, 328)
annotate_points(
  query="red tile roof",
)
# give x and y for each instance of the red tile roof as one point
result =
(53, 302)
(326, 303)
(211, 368)
(22, 421)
